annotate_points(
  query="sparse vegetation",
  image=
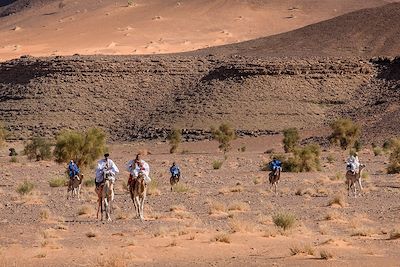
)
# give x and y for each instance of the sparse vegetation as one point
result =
(304, 159)
(3, 134)
(285, 220)
(84, 210)
(175, 138)
(130, 3)
(84, 149)
(224, 135)
(217, 164)
(152, 188)
(91, 234)
(58, 182)
(330, 159)
(345, 133)
(242, 149)
(290, 139)
(181, 188)
(38, 148)
(239, 206)
(89, 182)
(307, 249)
(216, 207)
(25, 188)
(377, 151)
(44, 214)
(14, 159)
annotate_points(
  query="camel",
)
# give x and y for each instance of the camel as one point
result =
(174, 180)
(352, 179)
(75, 186)
(106, 197)
(274, 177)
(138, 189)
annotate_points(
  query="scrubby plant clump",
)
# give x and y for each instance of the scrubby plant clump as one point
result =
(345, 133)
(84, 149)
(284, 220)
(290, 139)
(224, 135)
(3, 134)
(38, 148)
(175, 138)
(394, 159)
(305, 159)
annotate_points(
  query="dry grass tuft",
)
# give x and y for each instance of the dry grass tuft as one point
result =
(362, 232)
(181, 188)
(239, 206)
(152, 188)
(236, 189)
(161, 231)
(179, 207)
(44, 214)
(325, 255)
(394, 234)
(174, 243)
(223, 238)
(112, 261)
(258, 180)
(91, 234)
(216, 207)
(332, 215)
(307, 249)
(285, 220)
(25, 188)
(337, 200)
(84, 210)
(237, 225)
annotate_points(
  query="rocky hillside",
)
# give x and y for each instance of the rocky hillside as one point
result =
(144, 97)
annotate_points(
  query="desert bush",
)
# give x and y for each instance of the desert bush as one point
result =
(304, 159)
(345, 133)
(130, 3)
(25, 188)
(181, 188)
(217, 164)
(330, 159)
(357, 145)
(84, 149)
(394, 159)
(44, 214)
(388, 144)
(58, 182)
(13, 159)
(284, 220)
(290, 139)
(175, 138)
(38, 148)
(242, 149)
(307, 249)
(216, 207)
(224, 135)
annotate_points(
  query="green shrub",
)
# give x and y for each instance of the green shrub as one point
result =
(290, 139)
(25, 188)
(84, 149)
(58, 182)
(175, 138)
(305, 159)
(345, 133)
(224, 135)
(394, 159)
(377, 151)
(217, 164)
(39, 149)
(14, 159)
(284, 220)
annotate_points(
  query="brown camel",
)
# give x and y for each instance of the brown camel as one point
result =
(74, 186)
(353, 178)
(105, 195)
(274, 177)
(138, 190)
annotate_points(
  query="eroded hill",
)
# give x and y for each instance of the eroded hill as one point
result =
(144, 97)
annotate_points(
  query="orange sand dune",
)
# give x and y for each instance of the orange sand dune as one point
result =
(156, 26)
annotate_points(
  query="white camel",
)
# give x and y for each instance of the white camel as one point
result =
(353, 178)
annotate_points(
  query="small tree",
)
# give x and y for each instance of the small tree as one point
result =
(394, 159)
(345, 133)
(39, 149)
(290, 139)
(84, 149)
(175, 138)
(224, 135)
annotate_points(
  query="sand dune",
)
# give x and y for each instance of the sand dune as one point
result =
(368, 32)
(88, 27)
